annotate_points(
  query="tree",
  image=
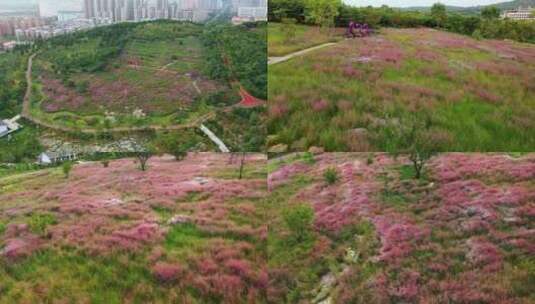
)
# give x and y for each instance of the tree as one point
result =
(439, 14)
(288, 29)
(322, 12)
(242, 163)
(174, 144)
(299, 220)
(143, 157)
(66, 167)
(330, 175)
(416, 139)
(490, 12)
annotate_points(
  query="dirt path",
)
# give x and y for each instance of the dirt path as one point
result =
(275, 60)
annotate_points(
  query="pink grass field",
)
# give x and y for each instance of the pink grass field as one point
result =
(197, 225)
(463, 234)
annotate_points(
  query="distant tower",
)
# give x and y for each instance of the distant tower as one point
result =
(89, 9)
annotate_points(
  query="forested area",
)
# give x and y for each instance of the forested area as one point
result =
(485, 25)
(238, 53)
(87, 51)
(12, 82)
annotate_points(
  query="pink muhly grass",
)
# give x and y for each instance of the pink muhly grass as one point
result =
(408, 287)
(344, 105)
(239, 267)
(207, 266)
(166, 272)
(485, 254)
(351, 72)
(278, 110)
(320, 105)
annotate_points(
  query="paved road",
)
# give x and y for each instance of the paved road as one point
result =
(275, 60)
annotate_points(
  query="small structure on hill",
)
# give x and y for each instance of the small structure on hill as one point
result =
(519, 14)
(8, 126)
(50, 157)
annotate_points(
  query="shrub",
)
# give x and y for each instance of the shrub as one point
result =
(2, 228)
(331, 176)
(66, 167)
(299, 220)
(308, 158)
(39, 222)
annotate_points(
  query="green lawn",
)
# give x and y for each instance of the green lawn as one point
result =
(305, 37)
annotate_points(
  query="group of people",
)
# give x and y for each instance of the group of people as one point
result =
(358, 30)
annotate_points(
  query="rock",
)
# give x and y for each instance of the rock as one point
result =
(326, 285)
(316, 150)
(272, 139)
(280, 148)
(360, 132)
(179, 219)
(299, 145)
(201, 180)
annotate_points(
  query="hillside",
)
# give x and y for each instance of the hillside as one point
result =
(465, 94)
(180, 232)
(148, 73)
(358, 228)
(476, 9)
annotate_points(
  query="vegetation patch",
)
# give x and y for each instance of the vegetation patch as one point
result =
(381, 235)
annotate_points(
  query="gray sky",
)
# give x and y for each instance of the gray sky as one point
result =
(406, 3)
(50, 7)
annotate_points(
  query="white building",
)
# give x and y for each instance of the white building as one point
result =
(519, 14)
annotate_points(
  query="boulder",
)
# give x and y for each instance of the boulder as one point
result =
(316, 150)
(280, 148)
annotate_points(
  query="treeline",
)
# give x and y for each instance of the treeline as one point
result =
(12, 81)
(85, 51)
(167, 30)
(485, 25)
(238, 53)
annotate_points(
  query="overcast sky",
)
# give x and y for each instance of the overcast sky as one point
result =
(406, 3)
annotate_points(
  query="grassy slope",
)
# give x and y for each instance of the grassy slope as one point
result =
(305, 37)
(178, 49)
(386, 238)
(479, 94)
(109, 241)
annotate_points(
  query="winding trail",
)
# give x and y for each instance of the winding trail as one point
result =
(275, 60)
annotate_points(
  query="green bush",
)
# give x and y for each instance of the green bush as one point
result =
(66, 167)
(2, 228)
(38, 222)
(331, 176)
(299, 220)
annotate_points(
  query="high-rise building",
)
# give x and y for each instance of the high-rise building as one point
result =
(138, 10)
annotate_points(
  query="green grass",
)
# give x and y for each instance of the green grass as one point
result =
(305, 37)
(179, 51)
(71, 276)
(452, 94)
(38, 222)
